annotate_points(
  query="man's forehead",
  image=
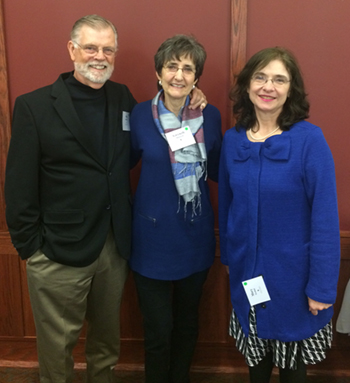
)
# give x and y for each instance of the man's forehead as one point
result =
(96, 34)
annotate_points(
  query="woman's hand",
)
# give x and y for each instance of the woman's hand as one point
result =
(198, 99)
(315, 306)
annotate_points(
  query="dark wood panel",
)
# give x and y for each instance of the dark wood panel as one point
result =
(11, 317)
(214, 310)
(6, 246)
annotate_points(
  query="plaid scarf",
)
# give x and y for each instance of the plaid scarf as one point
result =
(189, 163)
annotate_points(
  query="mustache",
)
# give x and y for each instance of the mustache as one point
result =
(106, 63)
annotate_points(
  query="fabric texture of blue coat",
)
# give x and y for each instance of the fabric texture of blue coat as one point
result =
(278, 218)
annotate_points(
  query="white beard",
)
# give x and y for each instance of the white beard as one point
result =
(98, 78)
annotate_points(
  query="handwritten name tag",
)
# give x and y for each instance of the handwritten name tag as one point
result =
(180, 138)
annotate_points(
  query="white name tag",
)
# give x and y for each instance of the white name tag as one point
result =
(180, 138)
(126, 121)
(256, 290)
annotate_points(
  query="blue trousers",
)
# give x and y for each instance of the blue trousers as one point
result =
(170, 317)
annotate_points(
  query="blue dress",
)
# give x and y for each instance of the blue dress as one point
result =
(169, 243)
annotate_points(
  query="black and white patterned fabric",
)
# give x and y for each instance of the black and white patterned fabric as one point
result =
(254, 349)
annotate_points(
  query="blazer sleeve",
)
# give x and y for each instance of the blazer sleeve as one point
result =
(212, 122)
(320, 186)
(22, 182)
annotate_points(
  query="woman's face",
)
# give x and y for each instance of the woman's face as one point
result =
(270, 96)
(178, 78)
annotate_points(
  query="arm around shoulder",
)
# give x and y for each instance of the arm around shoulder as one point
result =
(212, 122)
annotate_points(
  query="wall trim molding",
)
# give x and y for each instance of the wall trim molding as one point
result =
(5, 128)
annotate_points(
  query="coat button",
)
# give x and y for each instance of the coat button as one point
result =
(108, 207)
(263, 305)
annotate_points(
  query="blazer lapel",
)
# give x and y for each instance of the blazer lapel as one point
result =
(65, 108)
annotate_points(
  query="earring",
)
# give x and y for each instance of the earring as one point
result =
(160, 82)
(193, 86)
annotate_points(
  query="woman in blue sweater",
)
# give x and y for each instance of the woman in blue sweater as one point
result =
(278, 221)
(173, 222)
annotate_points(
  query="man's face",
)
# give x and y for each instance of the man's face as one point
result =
(93, 61)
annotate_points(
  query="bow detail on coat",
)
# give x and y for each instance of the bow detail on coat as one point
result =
(275, 148)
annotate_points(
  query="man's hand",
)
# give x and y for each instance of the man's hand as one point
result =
(315, 306)
(198, 99)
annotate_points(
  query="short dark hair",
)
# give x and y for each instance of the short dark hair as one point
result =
(178, 46)
(94, 22)
(296, 107)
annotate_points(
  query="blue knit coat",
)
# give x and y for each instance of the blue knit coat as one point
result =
(169, 244)
(278, 218)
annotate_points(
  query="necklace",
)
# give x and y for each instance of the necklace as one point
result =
(261, 138)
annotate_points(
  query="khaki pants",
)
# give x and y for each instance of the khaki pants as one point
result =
(62, 297)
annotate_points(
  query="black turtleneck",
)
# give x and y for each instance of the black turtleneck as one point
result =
(91, 107)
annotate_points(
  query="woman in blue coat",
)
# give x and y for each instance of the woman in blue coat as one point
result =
(173, 222)
(278, 221)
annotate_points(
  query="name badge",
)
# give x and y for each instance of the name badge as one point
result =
(180, 138)
(126, 121)
(256, 290)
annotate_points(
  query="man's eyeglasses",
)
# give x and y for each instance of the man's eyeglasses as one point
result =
(186, 70)
(93, 49)
(261, 79)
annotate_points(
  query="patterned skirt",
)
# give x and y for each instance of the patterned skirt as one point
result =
(284, 354)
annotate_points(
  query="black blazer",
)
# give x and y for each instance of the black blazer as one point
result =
(59, 196)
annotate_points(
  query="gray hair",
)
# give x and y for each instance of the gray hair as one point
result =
(94, 22)
(177, 46)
